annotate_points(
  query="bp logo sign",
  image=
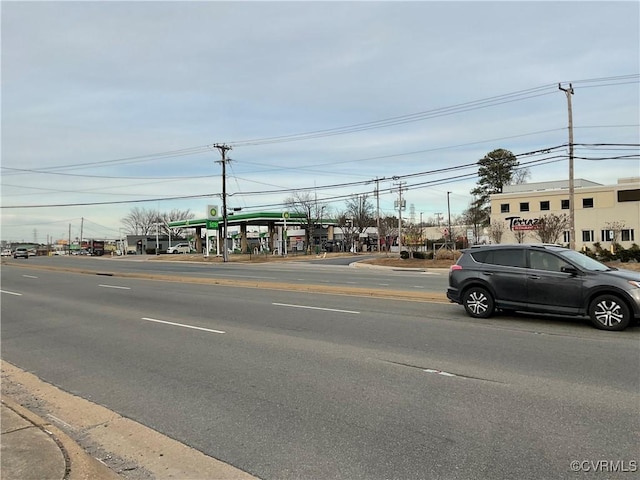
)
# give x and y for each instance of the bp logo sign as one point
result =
(212, 211)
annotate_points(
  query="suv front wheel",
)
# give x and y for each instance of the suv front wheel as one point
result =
(608, 312)
(478, 302)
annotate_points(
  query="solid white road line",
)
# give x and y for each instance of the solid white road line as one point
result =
(115, 286)
(11, 293)
(182, 325)
(315, 308)
(440, 372)
(29, 276)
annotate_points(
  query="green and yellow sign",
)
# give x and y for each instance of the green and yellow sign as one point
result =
(212, 212)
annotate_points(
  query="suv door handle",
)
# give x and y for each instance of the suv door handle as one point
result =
(487, 273)
(534, 277)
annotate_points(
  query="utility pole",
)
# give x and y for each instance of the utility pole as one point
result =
(81, 231)
(400, 205)
(223, 151)
(449, 214)
(572, 219)
(378, 211)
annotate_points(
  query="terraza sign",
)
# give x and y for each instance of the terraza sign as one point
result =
(519, 223)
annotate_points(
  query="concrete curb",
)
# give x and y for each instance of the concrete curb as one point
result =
(46, 452)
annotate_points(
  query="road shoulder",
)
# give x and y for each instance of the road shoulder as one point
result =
(128, 448)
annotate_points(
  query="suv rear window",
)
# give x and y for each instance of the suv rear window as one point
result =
(507, 257)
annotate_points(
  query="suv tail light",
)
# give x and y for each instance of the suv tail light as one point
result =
(455, 266)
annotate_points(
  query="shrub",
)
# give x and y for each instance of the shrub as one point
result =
(404, 254)
(630, 254)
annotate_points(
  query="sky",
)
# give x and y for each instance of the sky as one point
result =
(111, 106)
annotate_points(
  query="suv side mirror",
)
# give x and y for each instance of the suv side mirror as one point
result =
(571, 270)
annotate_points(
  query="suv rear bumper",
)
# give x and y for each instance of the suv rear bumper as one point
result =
(453, 295)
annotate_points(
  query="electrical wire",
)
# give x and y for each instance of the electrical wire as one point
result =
(517, 96)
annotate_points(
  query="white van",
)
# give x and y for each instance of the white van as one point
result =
(179, 248)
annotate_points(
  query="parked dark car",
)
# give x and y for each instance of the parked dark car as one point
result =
(21, 252)
(544, 279)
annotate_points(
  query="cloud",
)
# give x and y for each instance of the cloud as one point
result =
(91, 82)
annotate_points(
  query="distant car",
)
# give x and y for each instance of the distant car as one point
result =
(6, 252)
(544, 279)
(179, 248)
(21, 252)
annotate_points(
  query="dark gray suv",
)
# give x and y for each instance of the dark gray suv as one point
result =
(544, 279)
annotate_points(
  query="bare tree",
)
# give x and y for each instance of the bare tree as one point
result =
(412, 234)
(475, 217)
(615, 228)
(388, 228)
(520, 235)
(551, 226)
(141, 221)
(361, 212)
(348, 228)
(174, 215)
(306, 204)
(496, 231)
(520, 176)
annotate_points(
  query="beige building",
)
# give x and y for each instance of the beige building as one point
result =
(602, 212)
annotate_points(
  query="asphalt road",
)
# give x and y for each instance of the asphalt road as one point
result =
(291, 385)
(330, 271)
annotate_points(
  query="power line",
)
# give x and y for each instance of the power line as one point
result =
(517, 96)
(285, 191)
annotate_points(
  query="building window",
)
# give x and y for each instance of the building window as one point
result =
(566, 236)
(629, 195)
(587, 203)
(564, 204)
(544, 205)
(524, 206)
(587, 235)
(606, 235)
(627, 235)
(504, 208)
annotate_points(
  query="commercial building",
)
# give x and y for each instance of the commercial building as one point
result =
(603, 213)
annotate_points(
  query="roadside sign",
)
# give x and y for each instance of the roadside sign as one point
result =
(211, 225)
(212, 212)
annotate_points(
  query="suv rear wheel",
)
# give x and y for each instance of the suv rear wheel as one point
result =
(478, 302)
(608, 312)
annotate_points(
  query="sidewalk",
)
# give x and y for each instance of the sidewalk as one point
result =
(32, 448)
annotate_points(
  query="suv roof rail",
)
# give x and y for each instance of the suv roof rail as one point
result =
(521, 245)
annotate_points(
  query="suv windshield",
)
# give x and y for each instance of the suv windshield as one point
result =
(583, 261)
